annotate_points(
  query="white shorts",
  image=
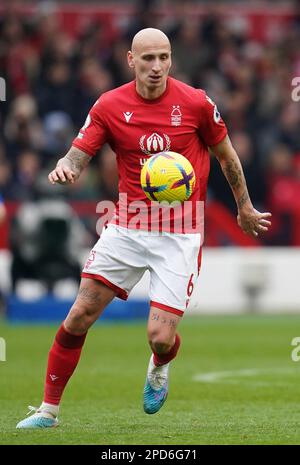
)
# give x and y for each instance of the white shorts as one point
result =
(121, 256)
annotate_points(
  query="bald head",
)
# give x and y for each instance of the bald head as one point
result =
(150, 58)
(149, 37)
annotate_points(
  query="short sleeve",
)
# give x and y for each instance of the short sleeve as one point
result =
(212, 128)
(93, 133)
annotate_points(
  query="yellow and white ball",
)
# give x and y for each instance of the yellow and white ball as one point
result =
(169, 177)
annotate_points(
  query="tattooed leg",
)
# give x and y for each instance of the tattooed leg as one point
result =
(161, 328)
(93, 296)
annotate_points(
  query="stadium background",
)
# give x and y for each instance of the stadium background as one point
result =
(56, 58)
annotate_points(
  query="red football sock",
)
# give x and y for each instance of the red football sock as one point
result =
(63, 358)
(162, 359)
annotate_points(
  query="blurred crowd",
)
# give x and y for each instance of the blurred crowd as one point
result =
(53, 78)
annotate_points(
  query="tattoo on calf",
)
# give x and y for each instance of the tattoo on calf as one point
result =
(172, 323)
(164, 320)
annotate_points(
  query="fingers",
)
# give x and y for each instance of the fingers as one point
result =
(53, 178)
(61, 175)
(259, 223)
(255, 225)
(265, 215)
(262, 228)
(262, 214)
(249, 232)
(265, 222)
(262, 218)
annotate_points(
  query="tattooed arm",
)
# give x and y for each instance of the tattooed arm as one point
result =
(249, 219)
(69, 168)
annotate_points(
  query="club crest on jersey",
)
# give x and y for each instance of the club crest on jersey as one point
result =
(155, 143)
(176, 116)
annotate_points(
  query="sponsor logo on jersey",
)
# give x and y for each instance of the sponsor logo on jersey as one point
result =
(176, 116)
(155, 143)
(127, 115)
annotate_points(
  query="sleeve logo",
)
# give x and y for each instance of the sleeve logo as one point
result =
(87, 123)
(217, 115)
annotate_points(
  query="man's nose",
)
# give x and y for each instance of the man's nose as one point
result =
(156, 65)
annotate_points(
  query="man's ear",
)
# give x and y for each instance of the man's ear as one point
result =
(130, 59)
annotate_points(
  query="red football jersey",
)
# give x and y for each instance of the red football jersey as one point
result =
(182, 119)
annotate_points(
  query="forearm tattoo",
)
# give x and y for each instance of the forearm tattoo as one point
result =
(79, 160)
(233, 174)
(243, 199)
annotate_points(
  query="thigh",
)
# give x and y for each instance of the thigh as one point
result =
(174, 271)
(93, 296)
(118, 259)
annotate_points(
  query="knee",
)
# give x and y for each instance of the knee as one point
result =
(79, 319)
(160, 343)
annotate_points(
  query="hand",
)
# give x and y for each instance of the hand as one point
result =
(252, 222)
(63, 173)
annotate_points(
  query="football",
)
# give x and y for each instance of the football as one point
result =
(169, 177)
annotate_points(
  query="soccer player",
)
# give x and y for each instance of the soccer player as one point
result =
(151, 114)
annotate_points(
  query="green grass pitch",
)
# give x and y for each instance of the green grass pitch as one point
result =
(234, 382)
